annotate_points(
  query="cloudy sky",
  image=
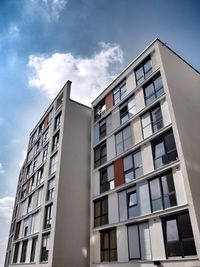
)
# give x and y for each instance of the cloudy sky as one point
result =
(43, 43)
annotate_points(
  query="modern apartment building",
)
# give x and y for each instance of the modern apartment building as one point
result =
(50, 223)
(145, 169)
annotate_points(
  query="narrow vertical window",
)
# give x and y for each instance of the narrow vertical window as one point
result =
(33, 249)
(108, 245)
(45, 248)
(143, 71)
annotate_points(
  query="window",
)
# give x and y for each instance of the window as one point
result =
(48, 216)
(55, 143)
(17, 230)
(102, 129)
(45, 247)
(40, 176)
(143, 71)
(41, 128)
(100, 155)
(101, 211)
(57, 121)
(33, 248)
(37, 146)
(178, 236)
(108, 245)
(152, 121)
(123, 140)
(139, 241)
(29, 206)
(16, 251)
(119, 92)
(107, 179)
(127, 110)
(24, 250)
(45, 137)
(50, 191)
(34, 223)
(32, 183)
(162, 192)
(164, 150)
(132, 166)
(99, 110)
(132, 203)
(153, 90)
(39, 197)
(45, 153)
(53, 164)
(26, 226)
(34, 165)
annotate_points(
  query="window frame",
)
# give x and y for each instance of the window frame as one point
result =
(102, 158)
(155, 91)
(162, 194)
(24, 251)
(180, 239)
(45, 252)
(118, 90)
(159, 140)
(109, 249)
(123, 140)
(99, 110)
(33, 249)
(144, 73)
(103, 217)
(108, 182)
(48, 216)
(134, 168)
(128, 108)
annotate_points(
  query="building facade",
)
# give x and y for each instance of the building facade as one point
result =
(118, 186)
(145, 170)
(52, 193)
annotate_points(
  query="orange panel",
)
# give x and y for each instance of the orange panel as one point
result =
(109, 101)
(118, 172)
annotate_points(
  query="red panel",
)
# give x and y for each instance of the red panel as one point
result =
(118, 171)
(109, 101)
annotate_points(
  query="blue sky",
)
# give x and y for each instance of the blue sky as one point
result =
(43, 43)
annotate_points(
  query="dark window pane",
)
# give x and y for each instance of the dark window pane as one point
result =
(174, 249)
(185, 226)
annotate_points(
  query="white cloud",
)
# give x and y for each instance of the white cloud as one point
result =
(6, 207)
(1, 169)
(88, 75)
(52, 8)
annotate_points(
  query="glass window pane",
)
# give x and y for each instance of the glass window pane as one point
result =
(170, 142)
(129, 176)
(119, 138)
(132, 199)
(131, 106)
(158, 84)
(106, 240)
(113, 241)
(169, 201)
(128, 162)
(155, 188)
(157, 204)
(185, 226)
(167, 183)
(110, 171)
(174, 249)
(137, 159)
(172, 230)
(119, 148)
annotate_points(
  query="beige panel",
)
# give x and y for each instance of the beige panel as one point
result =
(157, 241)
(147, 158)
(122, 244)
(139, 100)
(137, 130)
(154, 61)
(95, 246)
(179, 186)
(113, 215)
(96, 184)
(165, 112)
(130, 82)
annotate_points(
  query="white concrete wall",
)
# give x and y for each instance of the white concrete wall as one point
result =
(96, 183)
(156, 237)
(179, 186)
(95, 247)
(113, 214)
(139, 99)
(110, 144)
(147, 158)
(130, 82)
(165, 112)
(137, 130)
(122, 244)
